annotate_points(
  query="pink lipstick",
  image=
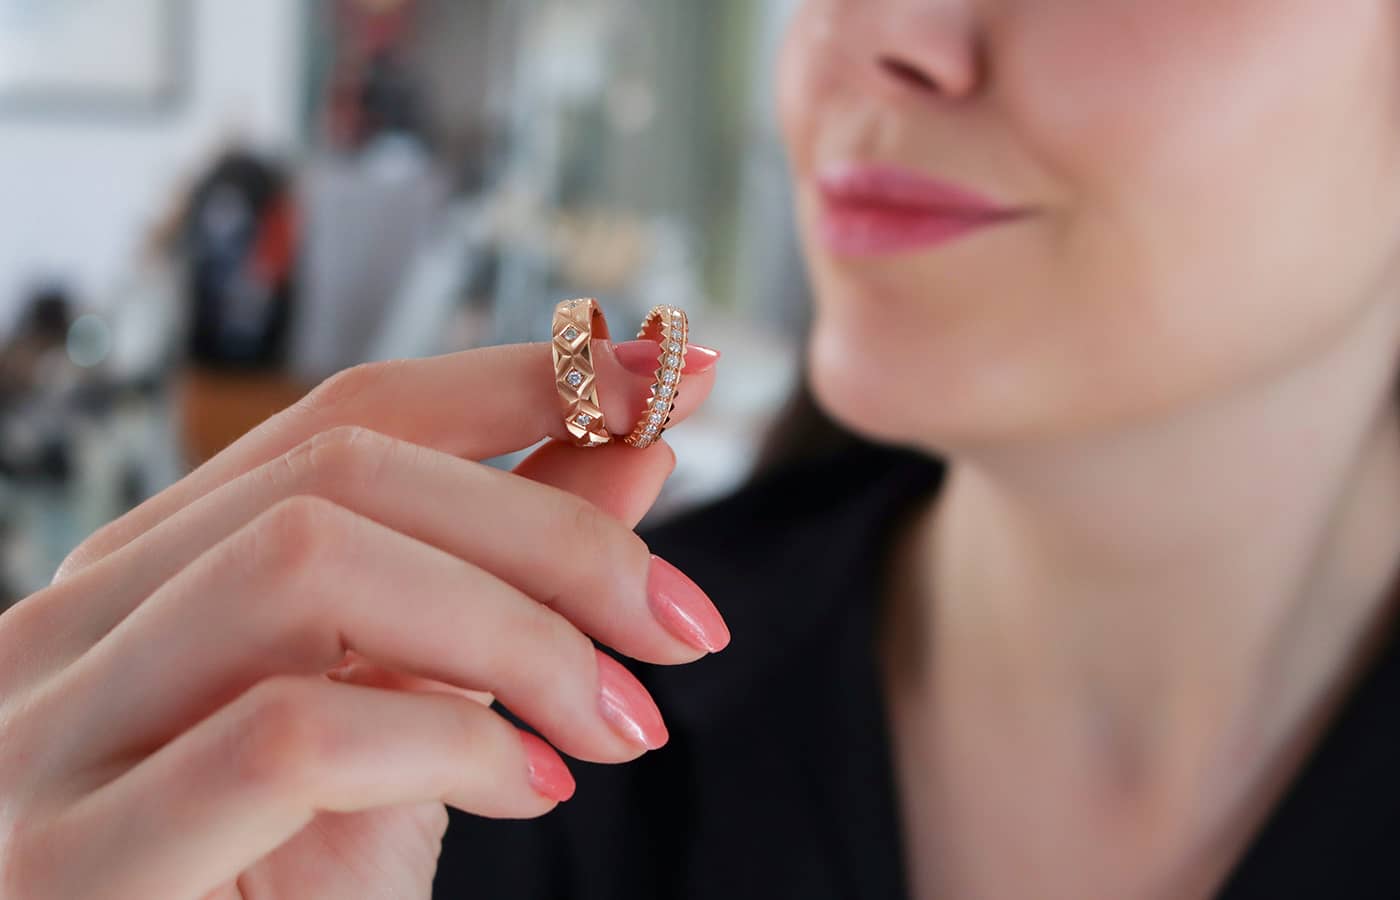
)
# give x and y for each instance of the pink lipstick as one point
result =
(870, 210)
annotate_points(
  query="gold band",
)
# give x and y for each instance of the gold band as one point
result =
(576, 323)
(669, 327)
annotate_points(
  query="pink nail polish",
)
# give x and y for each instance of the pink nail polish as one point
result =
(699, 359)
(627, 706)
(640, 357)
(685, 610)
(548, 775)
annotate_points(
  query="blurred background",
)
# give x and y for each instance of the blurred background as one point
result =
(207, 206)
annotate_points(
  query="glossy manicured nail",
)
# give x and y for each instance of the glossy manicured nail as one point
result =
(699, 358)
(627, 706)
(685, 610)
(548, 775)
(640, 357)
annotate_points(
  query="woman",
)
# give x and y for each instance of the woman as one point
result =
(1097, 604)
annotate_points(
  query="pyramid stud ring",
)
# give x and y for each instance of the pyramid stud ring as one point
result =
(576, 323)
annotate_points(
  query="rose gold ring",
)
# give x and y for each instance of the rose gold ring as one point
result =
(576, 323)
(669, 327)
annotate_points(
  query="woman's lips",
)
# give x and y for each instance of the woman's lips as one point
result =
(869, 210)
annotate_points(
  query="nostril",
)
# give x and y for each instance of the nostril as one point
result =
(908, 73)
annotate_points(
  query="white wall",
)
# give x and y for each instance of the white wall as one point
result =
(77, 195)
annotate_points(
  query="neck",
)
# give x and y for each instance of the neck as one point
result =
(1184, 594)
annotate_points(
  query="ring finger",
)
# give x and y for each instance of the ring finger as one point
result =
(308, 580)
(253, 774)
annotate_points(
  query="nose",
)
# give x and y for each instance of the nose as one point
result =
(928, 49)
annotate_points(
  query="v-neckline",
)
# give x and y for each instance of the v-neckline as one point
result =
(1349, 776)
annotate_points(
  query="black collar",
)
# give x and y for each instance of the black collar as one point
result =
(790, 562)
(794, 565)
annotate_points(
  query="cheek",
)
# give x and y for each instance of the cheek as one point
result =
(1223, 187)
(1174, 89)
(802, 82)
(1221, 166)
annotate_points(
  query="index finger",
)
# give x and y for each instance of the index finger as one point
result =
(476, 404)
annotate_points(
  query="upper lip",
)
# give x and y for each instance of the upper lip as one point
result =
(882, 184)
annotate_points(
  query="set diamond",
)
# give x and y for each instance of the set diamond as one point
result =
(668, 326)
(575, 377)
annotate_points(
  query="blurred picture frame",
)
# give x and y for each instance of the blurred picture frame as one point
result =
(91, 57)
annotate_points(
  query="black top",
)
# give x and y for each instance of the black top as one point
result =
(777, 781)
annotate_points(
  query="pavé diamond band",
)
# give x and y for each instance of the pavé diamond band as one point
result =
(668, 326)
(576, 323)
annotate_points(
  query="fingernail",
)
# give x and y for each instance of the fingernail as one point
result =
(627, 706)
(640, 357)
(699, 359)
(685, 610)
(548, 775)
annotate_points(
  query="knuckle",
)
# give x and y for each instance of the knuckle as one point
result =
(278, 740)
(480, 736)
(284, 559)
(588, 525)
(294, 537)
(96, 545)
(77, 558)
(469, 727)
(608, 554)
(349, 385)
(345, 454)
(548, 635)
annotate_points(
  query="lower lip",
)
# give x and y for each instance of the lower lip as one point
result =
(871, 229)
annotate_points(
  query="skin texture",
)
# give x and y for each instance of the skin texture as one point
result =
(1172, 163)
(1167, 397)
(1168, 402)
(268, 680)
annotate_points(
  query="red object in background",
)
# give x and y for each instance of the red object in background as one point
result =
(362, 30)
(377, 24)
(274, 251)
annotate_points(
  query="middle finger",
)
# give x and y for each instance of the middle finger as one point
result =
(546, 542)
(293, 590)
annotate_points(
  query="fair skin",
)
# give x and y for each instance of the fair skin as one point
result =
(269, 679)
(1171, 514)
(1167, 397)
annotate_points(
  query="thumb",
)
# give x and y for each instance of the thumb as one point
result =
(627, 378)
(622, 480)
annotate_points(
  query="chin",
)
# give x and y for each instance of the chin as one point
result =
(848, 389)
(941, 392)
(880, 393)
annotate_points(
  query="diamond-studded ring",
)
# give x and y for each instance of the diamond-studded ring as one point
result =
(669, 327)
(576, 323)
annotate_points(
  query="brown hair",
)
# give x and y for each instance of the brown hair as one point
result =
(802, 431)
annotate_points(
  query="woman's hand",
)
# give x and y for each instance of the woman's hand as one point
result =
(167, 724)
